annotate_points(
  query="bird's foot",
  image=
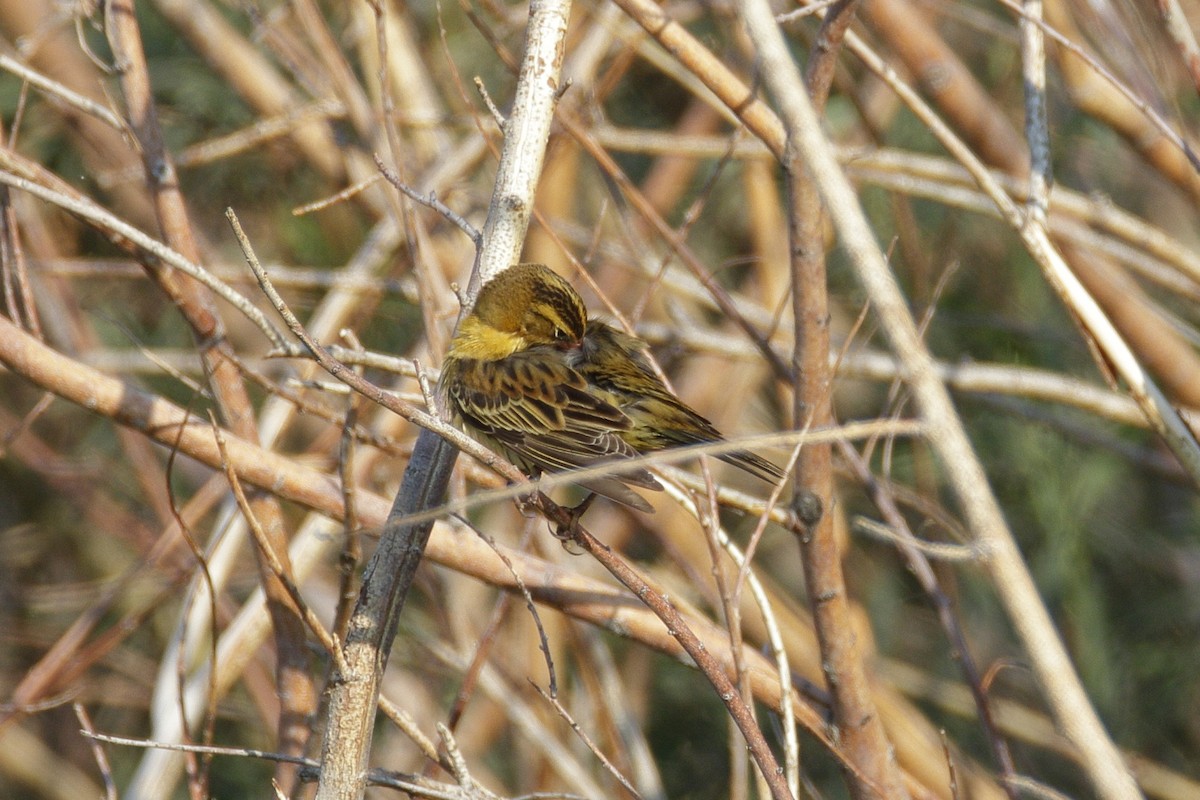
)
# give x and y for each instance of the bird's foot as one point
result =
(527, 504)
(569, 529)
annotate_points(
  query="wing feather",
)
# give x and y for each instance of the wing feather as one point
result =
(545, 416)
(615, 364)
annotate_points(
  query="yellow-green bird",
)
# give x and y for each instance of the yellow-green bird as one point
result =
(530, 374)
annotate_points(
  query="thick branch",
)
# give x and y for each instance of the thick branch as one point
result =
(372, 626)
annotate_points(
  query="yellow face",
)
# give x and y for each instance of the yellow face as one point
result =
(525, 306)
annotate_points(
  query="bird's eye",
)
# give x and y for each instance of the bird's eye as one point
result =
(560, 334)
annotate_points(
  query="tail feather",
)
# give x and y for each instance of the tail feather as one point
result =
(615, 489)
(758, 467)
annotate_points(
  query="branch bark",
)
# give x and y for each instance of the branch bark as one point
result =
(875, 773)
(946, 434)
(297, 691)
(372, 628)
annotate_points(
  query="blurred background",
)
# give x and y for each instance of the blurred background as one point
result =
(274, 108)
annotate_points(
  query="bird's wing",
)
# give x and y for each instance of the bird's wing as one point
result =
(615, 365)
(542, 412)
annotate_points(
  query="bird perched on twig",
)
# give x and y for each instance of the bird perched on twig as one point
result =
(529, 373)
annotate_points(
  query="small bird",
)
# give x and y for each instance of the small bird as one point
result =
(529, 373)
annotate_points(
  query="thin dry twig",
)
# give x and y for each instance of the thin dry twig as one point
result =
(664, 610)
(947, 436)
(430, 200)
(110, 785)
(65, 94)
(108, 223)
(415, 785)
(373, 625)
(611, 768)
(282, 572)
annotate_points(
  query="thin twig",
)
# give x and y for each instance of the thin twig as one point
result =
(116, 228)
(205, 749)
(58, 91)
(328, 642)
(939, 551)
(89, 732)
(670, 616)
(605, 762)
(662, 460)
(746, 576)
(415, 785)
(543, 640)
(497, 117)
(430, 200)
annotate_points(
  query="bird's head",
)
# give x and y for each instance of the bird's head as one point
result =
(525, 306)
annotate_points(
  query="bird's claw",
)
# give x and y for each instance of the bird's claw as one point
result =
(527, 504)
(569, 529)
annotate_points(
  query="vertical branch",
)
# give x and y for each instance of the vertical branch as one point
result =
(946, 434)
(525, 134)
(1033, 72)
(372, 627)
(875, 772)
(296, 688)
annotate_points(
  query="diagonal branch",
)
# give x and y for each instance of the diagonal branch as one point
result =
(947, 436)
(372, 627)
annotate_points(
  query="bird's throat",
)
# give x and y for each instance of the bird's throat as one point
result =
(480, 341)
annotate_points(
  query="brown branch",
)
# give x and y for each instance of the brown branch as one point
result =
(682, 633)
(389, 575)
(296, 689)
(948, 437)
(853, 705)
